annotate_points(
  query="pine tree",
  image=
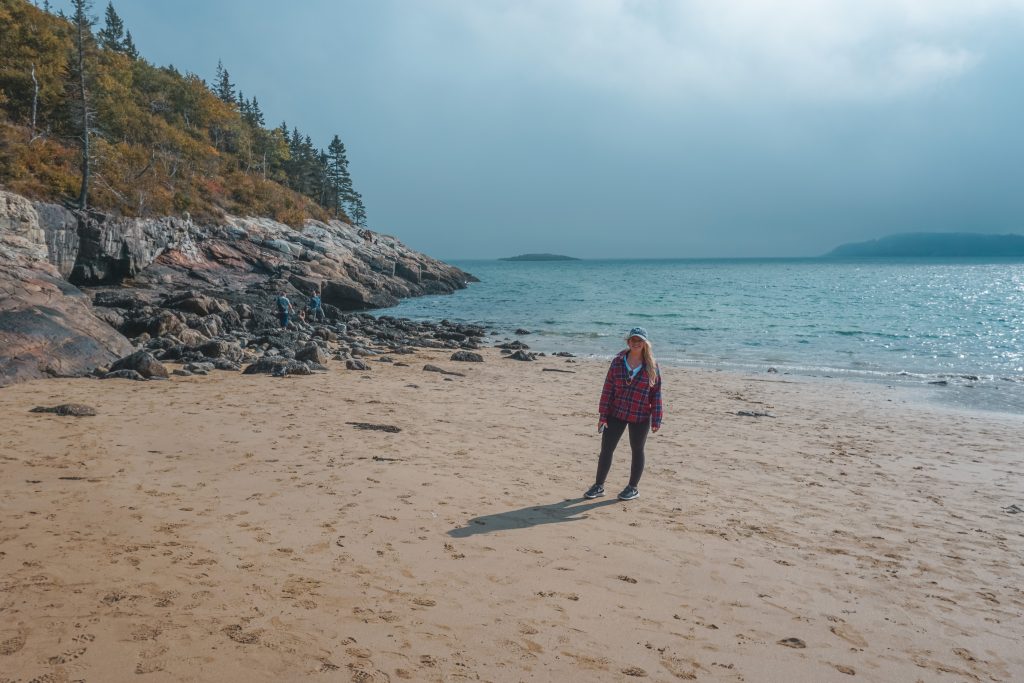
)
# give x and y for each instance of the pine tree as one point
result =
(256, 113)
(357, 210)
(310, 161)
(129, 46)
(111, 36)
(223, 87)
(344, 198)
(340, 180)
(83, 33)
(323, 179)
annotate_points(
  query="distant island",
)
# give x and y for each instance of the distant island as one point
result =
(539, 257)
(933, 244)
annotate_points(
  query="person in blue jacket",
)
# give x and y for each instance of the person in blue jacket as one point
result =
(284, 309)
(316, 311)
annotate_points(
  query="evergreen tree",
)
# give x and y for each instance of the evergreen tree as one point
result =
(338, 175)
(223, 87)
(357, 210)
(111, 36)
(255, 113)
(309, 168)
(343, 197)
(323, 180)
(129, 46)
(82, 23)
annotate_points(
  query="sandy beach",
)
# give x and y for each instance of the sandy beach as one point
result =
(242, 528)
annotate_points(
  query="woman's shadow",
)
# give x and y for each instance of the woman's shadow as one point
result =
(566, 511)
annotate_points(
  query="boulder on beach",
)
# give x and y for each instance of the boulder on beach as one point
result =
(47, 326)
(221, 349)
(278, 366)
(467, 357)
(143, 363)
(313, 352)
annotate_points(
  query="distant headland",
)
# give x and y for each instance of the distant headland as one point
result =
(933, 244)
(539, 257)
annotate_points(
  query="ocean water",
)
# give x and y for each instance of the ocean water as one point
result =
(952, 327)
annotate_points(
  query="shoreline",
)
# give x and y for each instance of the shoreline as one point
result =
(237, 527)
(926, 389)
(818, 320)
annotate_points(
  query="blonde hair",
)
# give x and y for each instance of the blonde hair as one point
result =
(649, 362)
(652, 365)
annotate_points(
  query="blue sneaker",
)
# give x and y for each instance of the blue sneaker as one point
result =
(629, 493)
(595, 491)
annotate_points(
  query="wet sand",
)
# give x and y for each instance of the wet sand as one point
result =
(240, 528)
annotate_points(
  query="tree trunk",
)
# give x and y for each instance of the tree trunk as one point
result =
(35, 102)
(83, 195)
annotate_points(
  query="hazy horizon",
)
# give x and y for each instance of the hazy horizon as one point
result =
(606, 129)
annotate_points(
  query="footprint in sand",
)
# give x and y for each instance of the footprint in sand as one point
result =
(588, 662)
(683, 669)
(74, 653)
(237, 634)
(849, 634)
(145, 632)
(299, 586)
(424, 602)
(67, 656)
(198, 598)
(361, 675)
(149, 661)
(793, 642)
(165, 598)
(522, 651)
(15, 643)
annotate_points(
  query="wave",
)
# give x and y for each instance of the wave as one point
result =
(863, 333)
(573, 334)
(658, 315)
(962, 379)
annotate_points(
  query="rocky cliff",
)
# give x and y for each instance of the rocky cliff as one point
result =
(53, 261)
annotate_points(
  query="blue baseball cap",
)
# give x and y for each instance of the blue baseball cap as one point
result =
(638, 332)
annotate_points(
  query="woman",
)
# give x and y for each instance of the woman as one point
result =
(631, 398)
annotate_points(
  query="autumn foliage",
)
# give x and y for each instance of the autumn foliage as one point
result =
(164, 143)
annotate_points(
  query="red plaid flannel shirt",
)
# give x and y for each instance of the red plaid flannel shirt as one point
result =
(632, 401)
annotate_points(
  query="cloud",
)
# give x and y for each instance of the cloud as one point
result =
(672, 49)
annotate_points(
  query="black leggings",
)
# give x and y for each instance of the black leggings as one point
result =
(610, 439)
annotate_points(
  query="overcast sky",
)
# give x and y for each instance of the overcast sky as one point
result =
(629, 128)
